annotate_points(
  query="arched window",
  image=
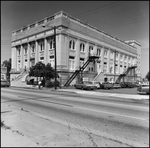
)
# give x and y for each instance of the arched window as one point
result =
(90, 49)
(82, 46)
(72, 44)
(98, 51)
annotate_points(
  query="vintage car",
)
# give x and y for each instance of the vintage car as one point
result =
(5, 83)
(143, 89)
(97, 84)
(106, 85)
(116, 85)
(86, 85)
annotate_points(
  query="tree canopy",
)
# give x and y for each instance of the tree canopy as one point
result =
(147, 76)
(42, 70)
(8, 65)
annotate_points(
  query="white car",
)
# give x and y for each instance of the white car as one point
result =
(143, 89)
(97, 84)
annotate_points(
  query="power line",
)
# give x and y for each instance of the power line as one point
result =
(128, 23)
(95, 9)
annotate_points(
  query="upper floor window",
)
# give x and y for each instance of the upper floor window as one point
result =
(111, 54)
(72, 44)
(82, 47)
(121, 57)
(52, 44)
(105, 53)
(32, 47)
(98, 51)
(42, 46)
(116, 56)
(19, 50)
(25, 49)
(90, 49)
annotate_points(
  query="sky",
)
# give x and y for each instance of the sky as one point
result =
(126, 20)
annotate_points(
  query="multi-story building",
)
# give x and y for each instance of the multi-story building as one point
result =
(75, 40)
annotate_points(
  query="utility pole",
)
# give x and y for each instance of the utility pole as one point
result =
(55, 58)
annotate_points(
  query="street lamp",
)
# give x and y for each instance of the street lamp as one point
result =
(54, 27)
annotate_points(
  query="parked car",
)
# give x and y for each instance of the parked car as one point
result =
(97, 84)
(123, 84)
(116, 85)
(86, 85)
(106, 85)
(130, 84)
(143, 89)
(5, 83)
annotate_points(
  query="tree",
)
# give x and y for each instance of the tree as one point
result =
(38, 70)
(147, 76)
(42, 70)
(8, 65)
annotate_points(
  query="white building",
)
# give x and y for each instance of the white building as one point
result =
(75, 40)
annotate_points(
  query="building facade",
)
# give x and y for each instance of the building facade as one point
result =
(75, 41)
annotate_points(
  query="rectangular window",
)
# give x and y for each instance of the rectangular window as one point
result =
(71, 63)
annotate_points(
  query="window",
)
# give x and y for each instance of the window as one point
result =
(81, 61)
(42, 59)
(105, 53)
(72, 45)
(18, 49)
(32, 47)
(121, 57)
(116, 56)
(111, 55)
(42, 45)
(51, 61)
(51, 44)
(90, 49)
(98, 51)
(82, 47)
(71, 63)
(25, 49)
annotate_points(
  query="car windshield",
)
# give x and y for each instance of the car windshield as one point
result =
(88, 83)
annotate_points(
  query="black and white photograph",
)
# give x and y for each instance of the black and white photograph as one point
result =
(74, 73)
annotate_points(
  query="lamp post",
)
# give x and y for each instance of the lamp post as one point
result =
(55, 57)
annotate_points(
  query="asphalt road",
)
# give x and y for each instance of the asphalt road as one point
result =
(121, 122)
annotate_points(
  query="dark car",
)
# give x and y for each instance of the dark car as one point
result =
(5, 83)
(106, 85)
(116, 85)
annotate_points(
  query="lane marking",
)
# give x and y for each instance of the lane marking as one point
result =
(111, 113)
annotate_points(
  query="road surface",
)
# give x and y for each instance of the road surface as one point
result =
(92, 120)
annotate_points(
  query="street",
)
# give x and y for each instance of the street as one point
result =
(91, 120)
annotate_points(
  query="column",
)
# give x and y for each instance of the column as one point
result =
(14, 57)
(108, 61)
(102, 59)
(95, 53)
(28, 58)
(77, 54)
(21, 57)
(45, 52)
(123, 63)
(119, 63)
(86, 54)
(36, 52)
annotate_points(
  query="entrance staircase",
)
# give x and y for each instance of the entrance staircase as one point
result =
(20, 79)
